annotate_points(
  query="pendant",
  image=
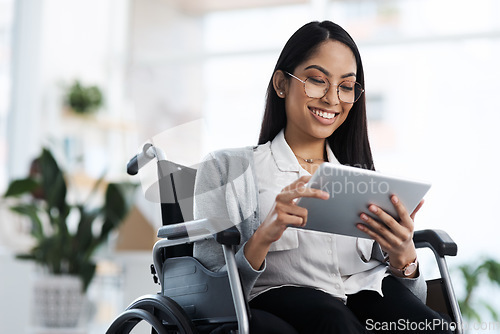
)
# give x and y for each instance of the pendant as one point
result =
(309, 161)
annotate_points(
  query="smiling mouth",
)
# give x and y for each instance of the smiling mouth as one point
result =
(323, 114)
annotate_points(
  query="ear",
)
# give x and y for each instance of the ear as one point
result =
(280, 83)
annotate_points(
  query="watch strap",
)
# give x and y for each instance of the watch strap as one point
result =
(408, 269)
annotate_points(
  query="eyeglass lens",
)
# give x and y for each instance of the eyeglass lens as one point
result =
(348, 91)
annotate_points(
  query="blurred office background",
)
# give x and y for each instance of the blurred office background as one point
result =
(192, 74)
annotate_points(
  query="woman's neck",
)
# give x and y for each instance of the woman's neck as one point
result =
(306, 148)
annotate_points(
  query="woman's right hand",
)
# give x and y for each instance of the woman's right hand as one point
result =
(284, 213)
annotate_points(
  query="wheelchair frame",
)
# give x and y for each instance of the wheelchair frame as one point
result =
(164, 314)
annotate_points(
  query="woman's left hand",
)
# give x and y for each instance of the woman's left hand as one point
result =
(395, 238)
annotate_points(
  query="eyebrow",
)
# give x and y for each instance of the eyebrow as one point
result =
(350, 74)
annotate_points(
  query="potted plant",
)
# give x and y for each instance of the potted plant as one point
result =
(83, 99)
(475, 276)
(63, 251)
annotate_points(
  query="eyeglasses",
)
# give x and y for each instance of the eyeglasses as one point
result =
(317, 87)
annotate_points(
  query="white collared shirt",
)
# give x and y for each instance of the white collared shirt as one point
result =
(339, 265)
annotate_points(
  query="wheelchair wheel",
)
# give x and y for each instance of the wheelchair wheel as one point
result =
(126, 321)
(163, 314)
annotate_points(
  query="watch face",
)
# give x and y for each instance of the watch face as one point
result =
(410, 269)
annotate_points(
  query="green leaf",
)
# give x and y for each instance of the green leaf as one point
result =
(31, 211)
(471, 277)
(30, 257)
(490, 308)
(50, 253)
(118, 201)
(492, 270)
(87, 273)
(84, 232)
(21, 186)
(53, 183)
(468, 312)
(85, 241)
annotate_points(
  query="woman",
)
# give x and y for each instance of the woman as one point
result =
(301, 281)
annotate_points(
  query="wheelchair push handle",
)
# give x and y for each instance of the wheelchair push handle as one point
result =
(133, 166)
(148, 153)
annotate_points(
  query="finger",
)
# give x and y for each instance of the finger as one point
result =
(412, 216)
(375, 236)
(287, 196)
(284, 220)
(295, 221)
(393, 226)
(292, 210)
(381, 229)
(402, 212)
(299, 183)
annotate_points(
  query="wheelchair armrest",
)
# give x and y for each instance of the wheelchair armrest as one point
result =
(193, 228)
(201, 228)
(229, 237)
(438, 240)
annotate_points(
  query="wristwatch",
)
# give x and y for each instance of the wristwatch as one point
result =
(408, 269)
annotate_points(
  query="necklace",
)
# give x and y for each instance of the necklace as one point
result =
(310, 161)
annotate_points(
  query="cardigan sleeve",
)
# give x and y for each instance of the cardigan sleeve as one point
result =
(225, 192)
(416, 285)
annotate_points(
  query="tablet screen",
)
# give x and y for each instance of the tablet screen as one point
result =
(351, 191)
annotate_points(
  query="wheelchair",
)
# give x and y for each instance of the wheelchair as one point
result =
(193, 299)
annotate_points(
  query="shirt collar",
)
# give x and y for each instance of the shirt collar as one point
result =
(284, 157)
(331, 157)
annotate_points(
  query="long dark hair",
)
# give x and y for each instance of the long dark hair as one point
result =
(349, 142)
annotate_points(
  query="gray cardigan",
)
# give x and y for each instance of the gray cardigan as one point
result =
(226, 189)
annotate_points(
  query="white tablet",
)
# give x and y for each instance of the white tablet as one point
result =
(351, 191)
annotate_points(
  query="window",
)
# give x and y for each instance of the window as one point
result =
(6, 17)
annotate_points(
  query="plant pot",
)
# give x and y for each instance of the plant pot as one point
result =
(59, 301)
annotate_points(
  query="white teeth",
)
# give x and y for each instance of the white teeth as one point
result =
(325, 114)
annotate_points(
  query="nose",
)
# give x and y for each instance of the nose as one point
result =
(331, 97)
